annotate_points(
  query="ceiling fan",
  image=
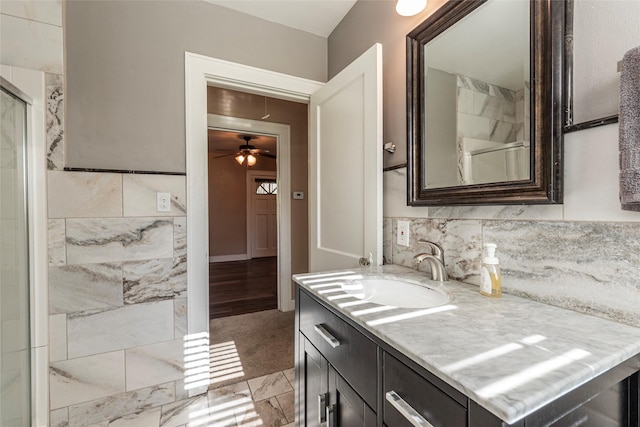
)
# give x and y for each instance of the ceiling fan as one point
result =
(248, 153)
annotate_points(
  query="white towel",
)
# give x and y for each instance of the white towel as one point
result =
(629, 125)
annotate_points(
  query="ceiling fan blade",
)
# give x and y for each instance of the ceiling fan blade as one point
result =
(224, 155)
(223, 151)
(259, 150)
(271, 156)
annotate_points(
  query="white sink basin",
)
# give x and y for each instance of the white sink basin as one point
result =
(396, 293)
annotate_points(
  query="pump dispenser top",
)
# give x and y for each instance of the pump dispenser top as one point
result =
(491, 254)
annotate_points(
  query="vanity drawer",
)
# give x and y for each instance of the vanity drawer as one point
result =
(405, 390)
(352, 354)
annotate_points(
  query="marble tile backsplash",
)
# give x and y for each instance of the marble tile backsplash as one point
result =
(593, 267)
(117, 295)
(94, 240)
(86, 195)
(459, 240)
(590, 267)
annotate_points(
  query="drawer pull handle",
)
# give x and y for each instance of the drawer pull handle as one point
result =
(406, 410)
(326, 335)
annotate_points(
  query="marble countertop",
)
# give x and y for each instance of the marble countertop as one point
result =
(510, 355)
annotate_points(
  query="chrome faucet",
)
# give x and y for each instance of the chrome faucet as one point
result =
(436, 250)
(435, 260)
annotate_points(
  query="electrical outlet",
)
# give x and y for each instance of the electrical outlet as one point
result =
(403, 233)
(163, 202)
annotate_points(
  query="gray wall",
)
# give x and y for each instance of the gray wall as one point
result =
(125, 73)
(369, 22)
(442, 160)
(607, 30)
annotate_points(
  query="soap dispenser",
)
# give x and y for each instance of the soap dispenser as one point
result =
(490, 276)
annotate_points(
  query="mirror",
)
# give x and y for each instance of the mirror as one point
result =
(485, 104)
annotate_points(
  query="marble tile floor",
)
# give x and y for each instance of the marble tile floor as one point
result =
(266, 401)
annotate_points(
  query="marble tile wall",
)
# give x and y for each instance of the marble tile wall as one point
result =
(32, 35)
(485, 111)
(590, 267)
(593, 266)
(117, 294)
(54, 123)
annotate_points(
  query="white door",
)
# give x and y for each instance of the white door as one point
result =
(263, 216)
(345, 166)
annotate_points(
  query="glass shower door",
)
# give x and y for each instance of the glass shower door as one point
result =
(15, 359)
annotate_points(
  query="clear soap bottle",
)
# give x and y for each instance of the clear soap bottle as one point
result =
(490, 276)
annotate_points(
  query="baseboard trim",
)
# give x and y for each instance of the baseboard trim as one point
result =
(225, 258)
(290, 306)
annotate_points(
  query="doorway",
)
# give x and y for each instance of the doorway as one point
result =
(260, 342)
(200, 72)
(282, 135)
(243, 222)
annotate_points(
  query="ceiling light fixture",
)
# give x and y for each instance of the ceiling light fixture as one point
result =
(239, 158)
(251, 160)
(410, 7)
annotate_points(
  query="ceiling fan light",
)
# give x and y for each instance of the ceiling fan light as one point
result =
(410, 7)
(251, 160)
(239, 158)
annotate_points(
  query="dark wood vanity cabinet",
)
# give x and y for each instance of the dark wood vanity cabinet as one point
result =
(347, 377)
(328, 400)
(334, 360)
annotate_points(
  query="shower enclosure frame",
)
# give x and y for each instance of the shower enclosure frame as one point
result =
(30, 87)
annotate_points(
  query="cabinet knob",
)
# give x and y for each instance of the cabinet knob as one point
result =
(406, 410)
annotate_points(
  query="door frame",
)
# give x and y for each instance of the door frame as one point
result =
(251, 176)
(201, 71)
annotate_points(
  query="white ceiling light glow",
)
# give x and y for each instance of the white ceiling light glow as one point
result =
(410, 7)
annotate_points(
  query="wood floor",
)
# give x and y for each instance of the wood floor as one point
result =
(239, 287)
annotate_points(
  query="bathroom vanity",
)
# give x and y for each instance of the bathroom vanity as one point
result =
(470, 361)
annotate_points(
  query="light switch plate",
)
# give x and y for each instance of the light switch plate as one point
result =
(298, 195)
(403, 233)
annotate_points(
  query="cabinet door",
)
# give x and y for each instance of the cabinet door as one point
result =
(608, 409)
(347, 408)
(314, 385)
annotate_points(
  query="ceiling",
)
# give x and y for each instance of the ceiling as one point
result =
(318, 17)
(498, 52)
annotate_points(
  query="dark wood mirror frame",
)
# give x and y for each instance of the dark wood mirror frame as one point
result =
(550, 44)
